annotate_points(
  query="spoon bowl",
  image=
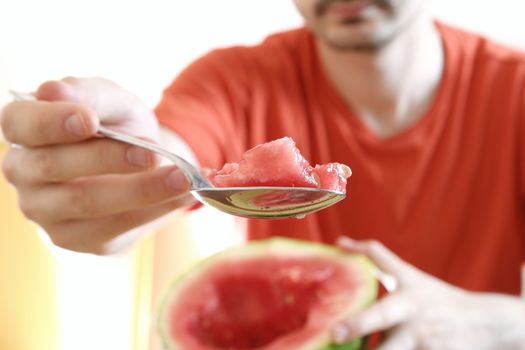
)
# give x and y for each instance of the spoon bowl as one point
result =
(268, 202)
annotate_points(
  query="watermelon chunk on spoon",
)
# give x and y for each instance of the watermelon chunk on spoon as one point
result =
(280, 163)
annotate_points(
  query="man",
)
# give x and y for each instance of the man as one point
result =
(429, 118)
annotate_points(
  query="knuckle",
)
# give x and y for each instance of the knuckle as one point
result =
(43, 164)
(149, 192)
(357, 327)
(107, 156)
(59, 241)
(387, 316)
(60, 238)
(9, 168)
(64, 236)
(374, 244)
(7, 122)
(143, 194)
(426, 339)
(110, 154)
(28, 208)
(80, 197)
(129, 218)
(181, 201)
(43, 128)
(422, 334)
(70, 80)
(372, 247)
(372, 320)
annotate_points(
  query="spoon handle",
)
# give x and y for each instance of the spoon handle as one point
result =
(196, 179)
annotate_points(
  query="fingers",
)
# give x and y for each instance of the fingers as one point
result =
(67, 179)
(102, 195)
(38, 123)
(383, 315)
(384, 259)
(99, 236)
(66, 162)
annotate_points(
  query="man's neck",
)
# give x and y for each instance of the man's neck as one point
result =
(393, 87)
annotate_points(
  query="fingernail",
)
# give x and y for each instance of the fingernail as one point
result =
(339, 334)
(75, 125)
(177, 181)
(139, 157)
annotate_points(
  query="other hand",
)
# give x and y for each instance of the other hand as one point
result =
(426, 313)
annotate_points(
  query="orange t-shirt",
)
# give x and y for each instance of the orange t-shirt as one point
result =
(446, 194)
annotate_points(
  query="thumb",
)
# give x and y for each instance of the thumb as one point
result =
(115, 106)
(102, 95)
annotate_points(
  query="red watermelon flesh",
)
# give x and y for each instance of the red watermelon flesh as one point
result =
(254, 308)
(333, 176)
(280, 163)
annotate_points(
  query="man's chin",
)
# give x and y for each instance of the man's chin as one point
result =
(358, 39)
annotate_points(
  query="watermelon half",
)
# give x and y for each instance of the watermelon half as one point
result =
(280, 163)
(274, 294)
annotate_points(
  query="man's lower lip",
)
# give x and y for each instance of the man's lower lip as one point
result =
(348, 9)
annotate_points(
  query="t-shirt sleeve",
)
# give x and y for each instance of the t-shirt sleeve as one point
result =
(521, 140)
(206, 106)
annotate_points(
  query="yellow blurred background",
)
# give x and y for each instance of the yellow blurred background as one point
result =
(28, 298)
(40, 295)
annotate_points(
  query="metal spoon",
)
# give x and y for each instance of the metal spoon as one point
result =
(250, 202)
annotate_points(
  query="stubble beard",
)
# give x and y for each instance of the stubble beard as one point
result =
(371, 42)
(371, 45)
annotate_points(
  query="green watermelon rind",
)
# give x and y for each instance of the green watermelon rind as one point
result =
(353, 345)
(294, 246)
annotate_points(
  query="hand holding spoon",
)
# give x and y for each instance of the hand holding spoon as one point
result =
(251, 202)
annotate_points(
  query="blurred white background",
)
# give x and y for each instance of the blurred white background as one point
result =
(142, 45)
